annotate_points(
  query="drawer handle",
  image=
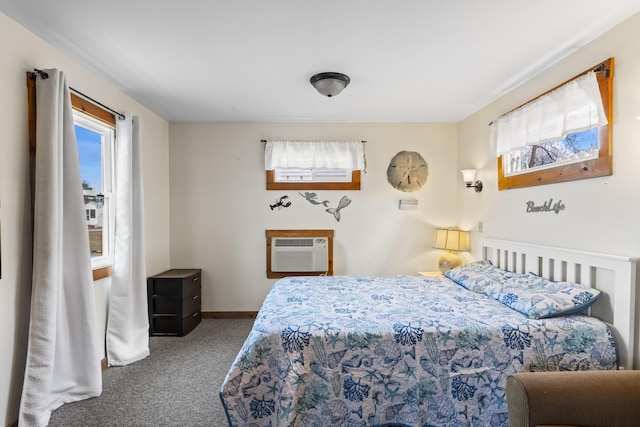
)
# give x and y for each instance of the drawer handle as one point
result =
(195, 314)
(195, 279)
(195, 297)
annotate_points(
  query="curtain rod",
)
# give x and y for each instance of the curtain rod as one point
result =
(264, 141)
(44, 75)
(602, 67)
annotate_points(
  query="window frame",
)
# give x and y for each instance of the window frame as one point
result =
(588, 168)
(272, 184)
(103, 267)
(312, 175)
(107, 157)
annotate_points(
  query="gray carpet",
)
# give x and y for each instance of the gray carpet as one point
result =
(177, 385)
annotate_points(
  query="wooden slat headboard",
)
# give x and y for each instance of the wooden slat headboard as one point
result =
(614, 275)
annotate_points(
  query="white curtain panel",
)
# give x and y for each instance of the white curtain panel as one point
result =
(573, 107)
(63, 355)
(314, 155)
(128, 322)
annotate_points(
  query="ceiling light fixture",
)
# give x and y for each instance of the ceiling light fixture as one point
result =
(330, 84)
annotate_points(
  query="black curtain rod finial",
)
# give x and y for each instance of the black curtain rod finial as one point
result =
(602, 67)
(42, 74)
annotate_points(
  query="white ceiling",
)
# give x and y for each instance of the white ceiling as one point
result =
(251, 60)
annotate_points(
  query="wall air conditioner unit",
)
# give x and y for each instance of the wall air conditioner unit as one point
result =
(299, 254)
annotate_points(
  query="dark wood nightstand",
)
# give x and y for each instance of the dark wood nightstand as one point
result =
(174, 298)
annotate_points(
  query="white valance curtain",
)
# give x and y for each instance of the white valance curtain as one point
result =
(574, 107)
(63, 354)
(127, 336)
(314, 155)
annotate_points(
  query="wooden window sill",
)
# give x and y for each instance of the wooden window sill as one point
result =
(101, 273)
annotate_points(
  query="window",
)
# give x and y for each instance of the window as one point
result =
(578, 155)
(97, 123)
(353, 183)
(574, 148)
(314, 165)
(313, 179)
(96, 152)
(92, 122)
(312, 175)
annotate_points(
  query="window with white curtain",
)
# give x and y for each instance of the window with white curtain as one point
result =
(561, 135)
(319, 165)
(95, 134)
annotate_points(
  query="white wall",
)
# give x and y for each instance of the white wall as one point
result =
(220, 207)
(22, 51)
(601, 214)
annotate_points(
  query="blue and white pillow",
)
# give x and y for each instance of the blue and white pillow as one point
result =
(529, 294)
(478, 275)
(539, 298)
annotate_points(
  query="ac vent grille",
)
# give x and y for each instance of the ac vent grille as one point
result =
(299, 254)
(288, 243)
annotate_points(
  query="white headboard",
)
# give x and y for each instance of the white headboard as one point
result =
(614, 275)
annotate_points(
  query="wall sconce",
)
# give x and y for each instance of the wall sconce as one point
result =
(329, 84)
(450, 240)
(469, 177)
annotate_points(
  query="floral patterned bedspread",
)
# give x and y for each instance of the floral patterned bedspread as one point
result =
(395, 350)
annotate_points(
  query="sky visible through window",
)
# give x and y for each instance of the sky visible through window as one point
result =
(90, 154)
(574, 148)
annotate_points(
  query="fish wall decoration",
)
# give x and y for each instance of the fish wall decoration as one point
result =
(343, 203)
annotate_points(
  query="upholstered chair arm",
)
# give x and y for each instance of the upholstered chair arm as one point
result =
(584, 398)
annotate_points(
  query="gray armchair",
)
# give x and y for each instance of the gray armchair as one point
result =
(584, 398)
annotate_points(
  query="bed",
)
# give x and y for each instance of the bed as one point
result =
(422, 350)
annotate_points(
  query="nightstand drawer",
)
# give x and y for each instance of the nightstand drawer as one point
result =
(190, 322)
(191, 304)
(191, 285)
(165, 305)
(164, 325)
(180, 283)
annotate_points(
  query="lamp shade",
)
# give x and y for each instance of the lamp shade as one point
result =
(468, 175)
(330, 84)
(451, 240)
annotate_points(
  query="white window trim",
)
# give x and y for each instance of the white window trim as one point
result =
(108, 184)
(312, 175)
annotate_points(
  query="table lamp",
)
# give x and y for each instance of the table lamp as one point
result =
(450, 240)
